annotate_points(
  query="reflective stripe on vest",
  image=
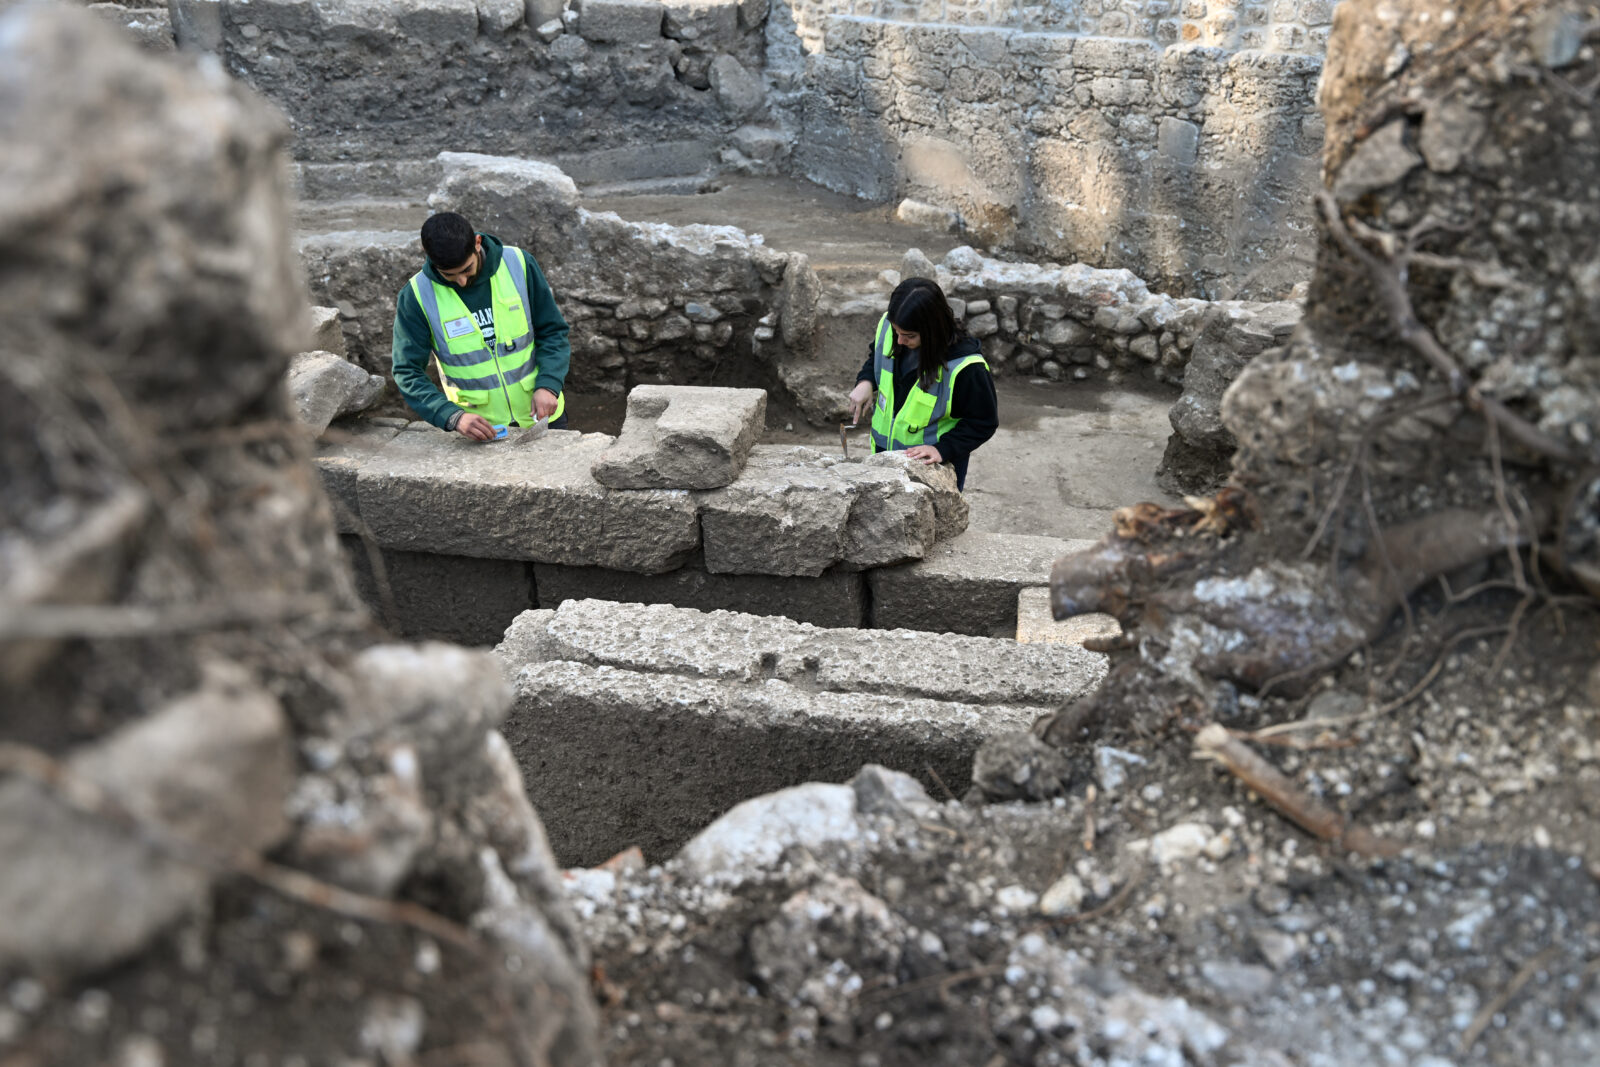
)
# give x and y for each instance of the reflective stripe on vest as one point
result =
(923, 417)
(466, 363)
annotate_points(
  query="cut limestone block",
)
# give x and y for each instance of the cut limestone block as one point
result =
(521, 498)
(1036, 625)
(324, 386)
(683, 437)
(786, 514)
(443, 598)
(620, 21)
(733, 646)
(837, 598)
(339, 461)
(326, 333)
(967, 585)
(638, 725)
(797, 511)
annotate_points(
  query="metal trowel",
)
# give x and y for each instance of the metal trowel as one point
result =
(528, 434)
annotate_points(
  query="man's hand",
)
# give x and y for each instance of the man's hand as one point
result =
(860, 401)
(544, 403)
(474, 427)
(926, 453)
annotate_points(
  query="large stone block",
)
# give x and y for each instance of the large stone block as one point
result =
(683, 437)
(786, 514)
(620, 21)
(638, 725)
(967, 585)
(322, 387)
(837, 598)
(338, 461)
(520, 499)
(424, 596)
(524, 202)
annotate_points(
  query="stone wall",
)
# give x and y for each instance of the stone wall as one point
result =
(365, 79)
(647, 302)
(1189, 163)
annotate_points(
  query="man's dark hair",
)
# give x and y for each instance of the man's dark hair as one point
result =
(448, 239)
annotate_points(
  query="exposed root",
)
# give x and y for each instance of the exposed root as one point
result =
(1215, 742)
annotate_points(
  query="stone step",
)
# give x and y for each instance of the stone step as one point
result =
(967, 584)
(638, 725)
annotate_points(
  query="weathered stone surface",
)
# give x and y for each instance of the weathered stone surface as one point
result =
(891, 520)
(1036, 624)
(360, 272)
(683, 437)
(1200, 449)
(324, 386)
(725, 645)
(524, 202)
(786, 514)
(327, 335)
(443, 598)
(209, 771)
(755, 833)
(620, 21)
(738, 90)
(966, 585)
(520, 499)
(836, 598)
(339, 461)
(615, 758)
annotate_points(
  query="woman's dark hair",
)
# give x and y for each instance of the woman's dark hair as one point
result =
(447, 239)
(918, 306)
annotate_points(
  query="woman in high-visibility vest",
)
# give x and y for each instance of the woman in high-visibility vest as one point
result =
(935, 395)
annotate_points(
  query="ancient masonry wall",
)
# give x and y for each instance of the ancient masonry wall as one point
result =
(1178, 140)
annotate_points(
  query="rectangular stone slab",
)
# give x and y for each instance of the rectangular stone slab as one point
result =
(731, 646)
(836, 598)
(683, 437)
(614, 758)
(430, 491)
(966, 585)
(339, 461)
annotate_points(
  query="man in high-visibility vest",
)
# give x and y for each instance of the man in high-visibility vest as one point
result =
(484, 313)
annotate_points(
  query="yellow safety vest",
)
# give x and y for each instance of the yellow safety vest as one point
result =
(496, 383)
(924, 417)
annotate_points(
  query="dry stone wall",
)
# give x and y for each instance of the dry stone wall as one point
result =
(1190, 162)
(648, 303)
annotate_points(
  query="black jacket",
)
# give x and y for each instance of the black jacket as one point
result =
(973, 401)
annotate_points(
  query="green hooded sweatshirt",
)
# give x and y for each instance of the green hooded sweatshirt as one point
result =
(412, 344)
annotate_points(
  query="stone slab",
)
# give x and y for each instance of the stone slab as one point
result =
(338, 460)
(683, 437)
(523, 499)
(836, 598)
(797, 511)
(444, 598)
(1036, 624)
(966, 585)
(615, 758)
(326, 333)
(730, 646)
(620, 21)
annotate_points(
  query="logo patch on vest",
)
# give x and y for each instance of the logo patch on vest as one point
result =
(459, 327)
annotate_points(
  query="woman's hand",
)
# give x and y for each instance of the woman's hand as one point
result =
(860, 401)
(926, 453)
